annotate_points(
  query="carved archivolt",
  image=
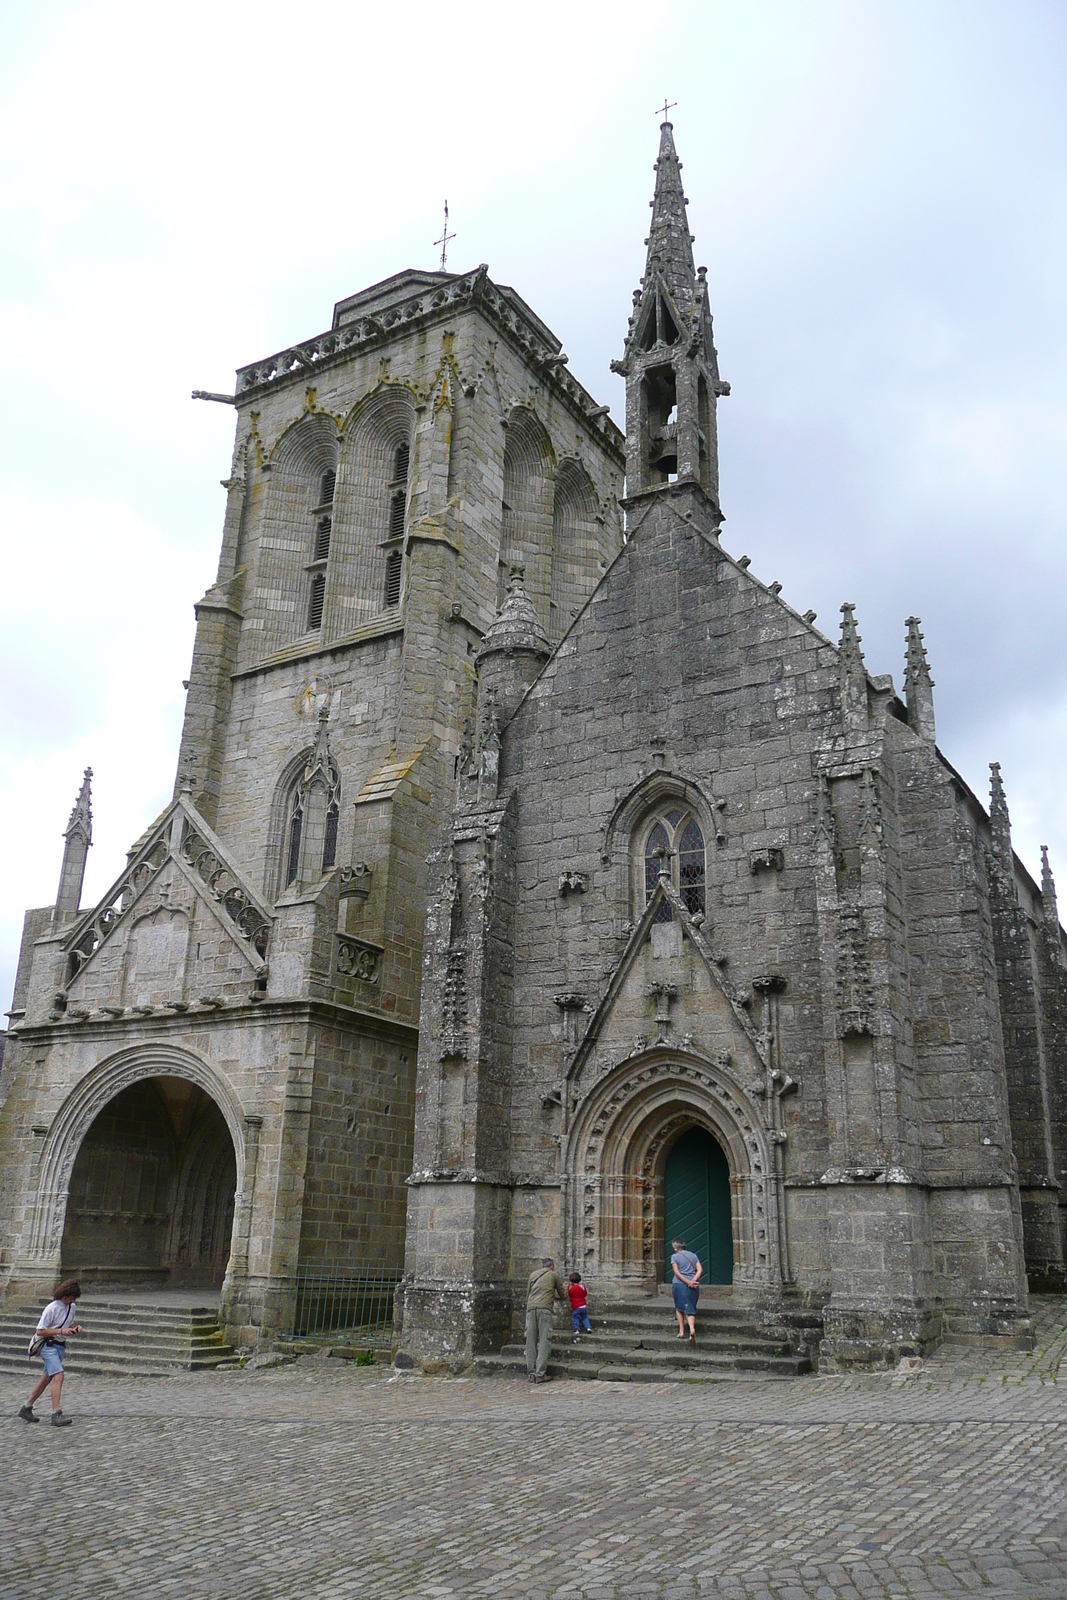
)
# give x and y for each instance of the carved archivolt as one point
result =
(616, 1152)
(84, 1104)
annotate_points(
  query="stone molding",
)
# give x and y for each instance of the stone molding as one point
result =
(86, 1100)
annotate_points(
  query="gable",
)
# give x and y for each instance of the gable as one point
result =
(681, 635)
(180, 927)
(666, 991)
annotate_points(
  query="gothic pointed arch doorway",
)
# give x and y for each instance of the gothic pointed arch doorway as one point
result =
(697, 1205)
(617, 1150)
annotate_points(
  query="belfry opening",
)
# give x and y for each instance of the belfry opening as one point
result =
(152, 1191)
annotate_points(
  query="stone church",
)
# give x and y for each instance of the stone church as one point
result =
(538, 881)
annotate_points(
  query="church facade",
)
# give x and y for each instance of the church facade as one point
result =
(539, 882)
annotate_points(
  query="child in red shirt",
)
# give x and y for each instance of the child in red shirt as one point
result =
(579, 1313)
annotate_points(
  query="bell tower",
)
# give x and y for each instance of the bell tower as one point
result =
(670, 364)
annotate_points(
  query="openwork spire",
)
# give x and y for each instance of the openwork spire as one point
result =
(918, 684)
(1048, 891)
(670, 244)
(670, 365)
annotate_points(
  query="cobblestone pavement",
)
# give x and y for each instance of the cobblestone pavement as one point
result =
(327, 1480)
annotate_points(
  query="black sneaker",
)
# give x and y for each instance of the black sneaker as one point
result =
(27, 1414)
(60, 1421)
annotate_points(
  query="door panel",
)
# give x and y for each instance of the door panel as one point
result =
(697, 1205)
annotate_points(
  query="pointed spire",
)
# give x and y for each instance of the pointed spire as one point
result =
(79, 836)
(918, 684)
(1048, 891)
(850, 662)
(670, 244)
(670, 365)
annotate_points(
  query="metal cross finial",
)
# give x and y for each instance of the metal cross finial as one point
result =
(666, 107)
(443, 241)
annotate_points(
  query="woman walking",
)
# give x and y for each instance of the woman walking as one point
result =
(685, 1288)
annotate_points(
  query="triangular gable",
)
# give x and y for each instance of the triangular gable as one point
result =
(699, 941)
(183, 842)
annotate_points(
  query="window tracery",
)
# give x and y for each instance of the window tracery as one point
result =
(674, 840)
(294, 825)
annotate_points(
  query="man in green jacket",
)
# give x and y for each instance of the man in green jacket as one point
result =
(542, 1291)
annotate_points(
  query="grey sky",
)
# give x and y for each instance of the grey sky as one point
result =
(877, 188)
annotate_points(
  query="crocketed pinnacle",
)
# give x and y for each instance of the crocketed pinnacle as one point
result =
(852, 671)
(81, 818)
(916, 666)
(670, 244)
(1048, 890)
(851, 654)
(318, 765)
(918, 684)
(515, 626)
(999, 821)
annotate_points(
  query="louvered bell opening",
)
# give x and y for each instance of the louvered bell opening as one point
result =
(326, 488)
(323, 529)
(396, 515)
(392, 578)
(318, 594)
(401, 462)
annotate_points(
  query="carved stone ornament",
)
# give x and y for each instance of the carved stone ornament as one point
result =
(768, 859)
(573, 882)
(357, 960)
(356, 881)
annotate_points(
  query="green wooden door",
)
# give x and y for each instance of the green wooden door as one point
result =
(697, 1195)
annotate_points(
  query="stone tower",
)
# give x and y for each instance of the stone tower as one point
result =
(262, 947)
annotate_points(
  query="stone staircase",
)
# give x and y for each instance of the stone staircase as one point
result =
(124, 1337)
(634, 1341)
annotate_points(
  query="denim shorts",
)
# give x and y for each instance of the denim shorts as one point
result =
(52, 1356)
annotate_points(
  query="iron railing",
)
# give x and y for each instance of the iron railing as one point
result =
(348, 1305)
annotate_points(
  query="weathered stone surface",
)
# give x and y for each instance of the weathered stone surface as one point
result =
(505, 852)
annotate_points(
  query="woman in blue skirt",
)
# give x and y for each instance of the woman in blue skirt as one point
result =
(685, 1288)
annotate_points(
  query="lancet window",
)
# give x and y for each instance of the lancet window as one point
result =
(673, 841)
(294, 827)
(322, 530)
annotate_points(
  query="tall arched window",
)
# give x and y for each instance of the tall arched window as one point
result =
(294, 825)
(674, 840)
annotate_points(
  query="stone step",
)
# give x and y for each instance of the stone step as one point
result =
(752, 1342)
(608, 1366)
(143, 1339)
(597, 1351)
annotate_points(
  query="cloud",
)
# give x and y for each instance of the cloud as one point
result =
(878, 192)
